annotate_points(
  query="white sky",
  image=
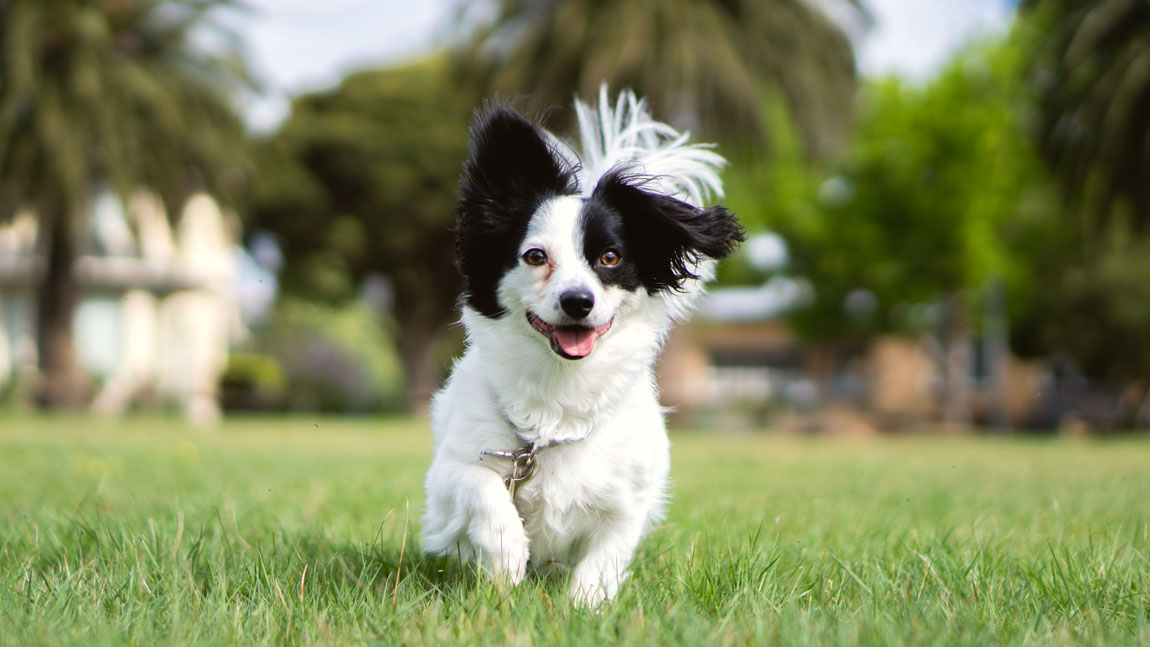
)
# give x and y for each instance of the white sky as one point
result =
(913, 38)
(300, 45)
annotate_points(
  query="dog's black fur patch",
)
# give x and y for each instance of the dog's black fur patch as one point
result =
(603, 229)
(511, 172)
(663, 236)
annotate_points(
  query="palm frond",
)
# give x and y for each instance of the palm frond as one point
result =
(1093, 78)
(705, 65)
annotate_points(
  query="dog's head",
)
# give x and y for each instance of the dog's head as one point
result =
(535, 250)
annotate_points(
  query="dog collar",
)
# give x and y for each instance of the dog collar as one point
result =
(523, 460)
(522, 465)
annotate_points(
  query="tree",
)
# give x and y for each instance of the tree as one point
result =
(1093, 79)
(361, 180)
(942, 190)
(922, 203)
(104, 91)
(934, 199)
(704, 64)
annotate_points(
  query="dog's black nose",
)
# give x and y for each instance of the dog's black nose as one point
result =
(577, 303)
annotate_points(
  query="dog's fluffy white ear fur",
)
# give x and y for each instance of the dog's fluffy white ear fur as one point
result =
(625, 135)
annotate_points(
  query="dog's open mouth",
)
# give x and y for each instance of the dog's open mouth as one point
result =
(570, 342)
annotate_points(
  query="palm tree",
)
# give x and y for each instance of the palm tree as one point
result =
(104, 92)
(1093, 78)
(705, 64)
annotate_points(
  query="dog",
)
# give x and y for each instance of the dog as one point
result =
(550, 445)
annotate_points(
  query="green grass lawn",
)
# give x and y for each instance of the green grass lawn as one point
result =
(305, 531)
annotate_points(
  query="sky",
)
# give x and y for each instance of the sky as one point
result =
(301, 45)
(914, 38)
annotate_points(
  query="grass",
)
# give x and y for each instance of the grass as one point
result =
(299, 531)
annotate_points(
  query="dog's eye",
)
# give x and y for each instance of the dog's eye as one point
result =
(535, 256)
(609, 258)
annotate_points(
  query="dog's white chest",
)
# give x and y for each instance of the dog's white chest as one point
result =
(577, 488)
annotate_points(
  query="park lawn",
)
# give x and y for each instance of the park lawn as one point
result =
(293, 531)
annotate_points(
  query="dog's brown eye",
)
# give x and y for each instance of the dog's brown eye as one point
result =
(609, 258)
(535, 256)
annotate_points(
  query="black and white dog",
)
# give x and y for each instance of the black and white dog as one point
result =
(550, 443)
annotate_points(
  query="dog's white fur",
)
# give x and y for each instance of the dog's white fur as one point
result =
(603, 461)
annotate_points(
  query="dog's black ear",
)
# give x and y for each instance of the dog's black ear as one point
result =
(512, 170)
(511, 163)
(665, 236)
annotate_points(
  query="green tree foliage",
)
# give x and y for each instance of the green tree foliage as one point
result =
(921, 205)
(1092, 73)
(775, 192)
(706, 65)
(102, 91)
(361, 180)
(942, 190)
(1093, 307)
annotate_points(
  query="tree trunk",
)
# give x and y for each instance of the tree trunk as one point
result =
(996, 349)
(63, 382)
(417, 335)
(957, 407)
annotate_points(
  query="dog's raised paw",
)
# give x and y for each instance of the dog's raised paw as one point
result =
(503, 553)
(591, 592)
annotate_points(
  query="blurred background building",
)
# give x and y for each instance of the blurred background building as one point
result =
(949, 202)
(157, 309)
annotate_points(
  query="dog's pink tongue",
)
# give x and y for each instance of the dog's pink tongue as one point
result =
(576, 342)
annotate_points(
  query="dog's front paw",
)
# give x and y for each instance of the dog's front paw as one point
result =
(590, 589)
(502, 550)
